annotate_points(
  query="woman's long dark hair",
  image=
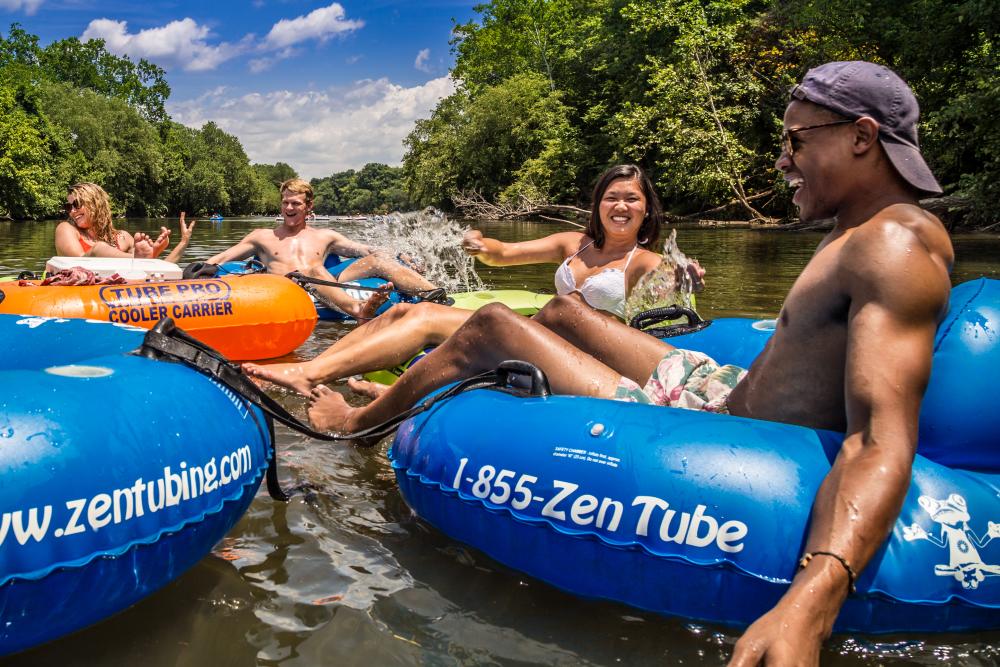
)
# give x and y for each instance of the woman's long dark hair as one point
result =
(649, 231)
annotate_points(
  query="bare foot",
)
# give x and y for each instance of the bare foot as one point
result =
(375, 301)
(292, 376)
(365, 388)
(328, 411)
(142, 246)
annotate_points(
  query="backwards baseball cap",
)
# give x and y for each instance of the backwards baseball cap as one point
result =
(857, 88)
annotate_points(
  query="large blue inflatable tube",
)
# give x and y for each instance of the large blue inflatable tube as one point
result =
(119, 473)
(704, 515)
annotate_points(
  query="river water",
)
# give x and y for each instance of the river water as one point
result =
(346, 575)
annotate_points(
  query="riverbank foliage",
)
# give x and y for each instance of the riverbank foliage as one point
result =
(375, 188)
(72, 111)
(553, 91)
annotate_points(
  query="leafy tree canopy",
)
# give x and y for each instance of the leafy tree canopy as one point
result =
(694, 90)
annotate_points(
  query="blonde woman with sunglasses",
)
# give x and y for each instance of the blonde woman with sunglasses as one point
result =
(89, 231)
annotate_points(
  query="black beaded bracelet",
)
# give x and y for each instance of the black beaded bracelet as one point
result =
(851, 576)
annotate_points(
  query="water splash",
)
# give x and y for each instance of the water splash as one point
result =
(668, 284)
(432, 240)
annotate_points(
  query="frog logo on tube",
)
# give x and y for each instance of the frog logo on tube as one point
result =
(965, 563)
(142, 303)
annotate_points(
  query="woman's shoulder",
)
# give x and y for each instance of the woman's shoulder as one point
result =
(571, 242)
(646, 260)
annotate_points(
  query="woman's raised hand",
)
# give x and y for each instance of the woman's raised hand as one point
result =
(186, 230)
(697, 275)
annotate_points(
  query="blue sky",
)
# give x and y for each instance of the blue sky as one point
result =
(323, 86)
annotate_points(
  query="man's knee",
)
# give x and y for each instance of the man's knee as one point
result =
(493, 318)
(558, 309)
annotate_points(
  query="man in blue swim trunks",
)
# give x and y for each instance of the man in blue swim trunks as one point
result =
(851, 351)
(296, 246)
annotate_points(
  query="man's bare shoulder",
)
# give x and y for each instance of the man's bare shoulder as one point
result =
(258, 234)
(900, 232)
(902, 254)
(322, 233)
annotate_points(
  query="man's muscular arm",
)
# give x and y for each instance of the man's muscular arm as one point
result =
(245, 248)
(897, 293)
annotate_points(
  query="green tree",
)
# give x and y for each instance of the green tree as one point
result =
(375, 188)
(276, 173)
(431, 162)
(231, 160)
(123, 151)
(513, 139)
(698, 124)
(37, 161)
(90, 65)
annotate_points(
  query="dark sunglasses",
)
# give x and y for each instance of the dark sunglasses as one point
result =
(70, 205)
(788, 135)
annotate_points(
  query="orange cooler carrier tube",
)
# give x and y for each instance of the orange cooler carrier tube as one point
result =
(245, 317)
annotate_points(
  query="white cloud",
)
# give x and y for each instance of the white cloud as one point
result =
(258, 65)
(186, 44)
(319, 132)
(29, 6)
(321, 24)
(182, 43)
(421, 62)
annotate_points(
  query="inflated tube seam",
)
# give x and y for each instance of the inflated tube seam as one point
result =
(958, 313)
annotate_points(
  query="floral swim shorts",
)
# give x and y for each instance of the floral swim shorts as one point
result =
(685, 379)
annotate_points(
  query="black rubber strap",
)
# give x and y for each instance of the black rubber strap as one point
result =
(435, 295)
(166, 341)
(646, 320)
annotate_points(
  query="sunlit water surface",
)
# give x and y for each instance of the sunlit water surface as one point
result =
(345, 574)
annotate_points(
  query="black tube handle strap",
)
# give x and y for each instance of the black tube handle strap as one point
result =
(167, 342)
(646, 320)
(435, 295)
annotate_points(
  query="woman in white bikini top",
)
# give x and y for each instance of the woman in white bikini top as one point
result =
(604, 290)
(602, 264)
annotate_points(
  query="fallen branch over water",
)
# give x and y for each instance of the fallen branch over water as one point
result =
(472, 204)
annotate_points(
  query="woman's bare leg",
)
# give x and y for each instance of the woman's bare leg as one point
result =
(629, 351)
(493, 334)
(390, 339)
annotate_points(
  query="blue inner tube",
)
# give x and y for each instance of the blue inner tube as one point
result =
(703, 515)
(119, 473)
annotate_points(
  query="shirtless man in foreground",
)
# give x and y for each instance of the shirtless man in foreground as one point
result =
(295, 246)
(850, 151)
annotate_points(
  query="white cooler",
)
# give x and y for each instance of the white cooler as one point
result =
(131, 269)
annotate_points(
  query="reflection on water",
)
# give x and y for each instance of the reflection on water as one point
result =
(345, 573)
